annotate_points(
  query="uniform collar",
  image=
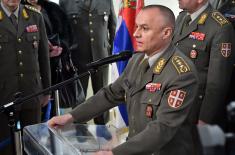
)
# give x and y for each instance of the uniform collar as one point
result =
(8, 13)
(198, 12)
(154, 57)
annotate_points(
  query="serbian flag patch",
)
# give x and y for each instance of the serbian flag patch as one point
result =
(226, 49)
(176, 98)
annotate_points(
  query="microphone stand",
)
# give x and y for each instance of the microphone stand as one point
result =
(9, 109)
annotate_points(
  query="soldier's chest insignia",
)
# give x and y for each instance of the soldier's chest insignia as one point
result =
(149, 111)
(1, 15)
(226, 49)
(202, 18)
(197, 36)
(153, 87)
(159, 66)
(32, 28)
(217, 16)
(176, 98)
(180, 65)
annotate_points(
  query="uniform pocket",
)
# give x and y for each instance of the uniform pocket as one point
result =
(3, 41)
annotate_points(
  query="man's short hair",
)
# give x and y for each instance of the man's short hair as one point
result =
(165, 11)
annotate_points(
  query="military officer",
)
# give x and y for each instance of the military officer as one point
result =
(207, 39)
(93, 24)
(159, 86)
(24, 60)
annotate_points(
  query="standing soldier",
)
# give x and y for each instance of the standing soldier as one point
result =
(24, 68)
(206, 37)
(93, 23)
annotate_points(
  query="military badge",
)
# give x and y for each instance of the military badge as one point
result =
(219, 18)
(1, 15)
(202, 18)
(152, 87)
(159, 66)
(106, 18)
(149, 111)
(193, 54)
(25, 14)
(180, 65)
(32, 28)
(176, 98)
(197, 36)
(226, 49)
(35, 44)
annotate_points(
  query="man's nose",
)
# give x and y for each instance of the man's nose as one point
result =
(136, 34)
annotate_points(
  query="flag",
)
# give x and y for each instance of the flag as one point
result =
(124, 40)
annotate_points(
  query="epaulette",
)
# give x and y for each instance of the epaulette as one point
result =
(32, 8)
(180, 65)
(219, 18)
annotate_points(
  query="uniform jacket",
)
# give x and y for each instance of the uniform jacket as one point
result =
(24, 58)
(93, 29)
(208, 41)
(158, 106)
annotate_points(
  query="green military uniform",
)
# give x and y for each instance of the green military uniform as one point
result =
(158, 105)
(208, 42)
(93, 24)
(24, 65)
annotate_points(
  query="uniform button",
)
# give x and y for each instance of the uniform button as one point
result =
(133, 130)
(194, 46)
(92, 39)
(90, 23)
(34, 37)
(20, 52)
(74, 16)
(21, 75)
(90, 14)
(21, 63)
(177, 44)
(91, 31)
(200, 96)
(19, 40)
(0, 47)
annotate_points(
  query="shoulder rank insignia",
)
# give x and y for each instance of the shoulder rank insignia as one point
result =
(1, 15)
(202, 19)
(25, 14)
(32, 8)
(159, 66)
(180, 65)
(220, 18)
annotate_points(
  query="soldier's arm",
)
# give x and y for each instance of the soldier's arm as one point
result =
(219, 75)
(112, 25)
(43, 55)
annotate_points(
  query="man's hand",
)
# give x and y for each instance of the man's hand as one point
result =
(200, 122)
(58, 121)
(54, 50)
(45, 99)
(103, 153)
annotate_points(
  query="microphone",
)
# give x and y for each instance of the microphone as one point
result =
(113, 58)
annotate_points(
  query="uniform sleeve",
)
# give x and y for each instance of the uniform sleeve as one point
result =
(219, 75)
(112, 26)
(168, 119)
(43, 56)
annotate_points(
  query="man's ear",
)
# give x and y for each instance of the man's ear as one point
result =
(167, 32)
